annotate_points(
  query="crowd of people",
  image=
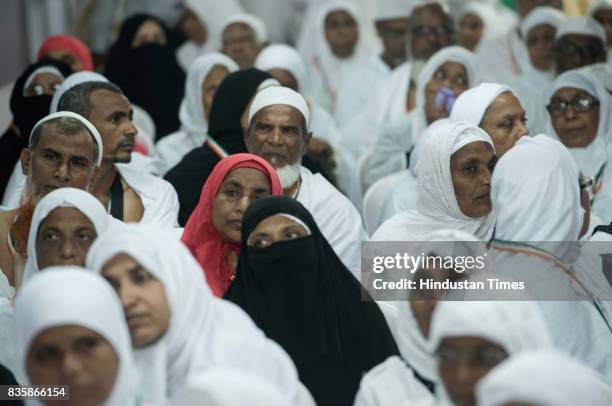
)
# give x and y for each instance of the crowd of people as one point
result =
(184, 209)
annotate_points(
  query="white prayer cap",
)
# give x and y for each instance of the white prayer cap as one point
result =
(582, 26)
(543, 377)
(42, 69)
(390, 9)
(279, 95)
(472, 104)
(93, 130)
(281, 56)
(261, 35)
(514, 325)
(71, 81)
(599, 5)
(542, 16)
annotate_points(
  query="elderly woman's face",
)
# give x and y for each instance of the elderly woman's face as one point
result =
(75, 356)
(275, 229)
(504, 121)
(575, 116)
(451, 75)
(239, 189)
(462, 362)
(143, 298)
(471, 169)
(210, 85)
(64, 238)
(341, 33)
(541, 46)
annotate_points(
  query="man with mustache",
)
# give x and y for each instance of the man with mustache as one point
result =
(64, 150)
(278, 132)
(128, 194)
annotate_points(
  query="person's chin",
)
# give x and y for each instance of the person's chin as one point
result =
(123, 158)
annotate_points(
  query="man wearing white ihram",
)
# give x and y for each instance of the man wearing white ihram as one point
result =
(278, 132)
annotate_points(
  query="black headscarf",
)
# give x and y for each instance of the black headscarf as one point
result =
(302, 296)
(231, 99)
(27, 111)
(149, 75)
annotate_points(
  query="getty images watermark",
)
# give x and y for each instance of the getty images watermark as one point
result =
(392, 271)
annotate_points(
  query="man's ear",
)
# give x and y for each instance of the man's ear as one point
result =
(307, 139)
(24, 157)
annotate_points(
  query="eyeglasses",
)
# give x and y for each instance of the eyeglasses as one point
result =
(438, 30)
(486, 357)
(579, 104)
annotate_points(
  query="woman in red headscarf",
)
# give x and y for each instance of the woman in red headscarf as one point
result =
(67, 49)
(213, 230)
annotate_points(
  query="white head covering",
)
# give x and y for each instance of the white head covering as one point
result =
(535, 192)
(191, 112)
(591, 158)
(514, 325)
(279, 95)
(204, 332)
(493, 23)
(77, 298)
(448, 54)
(75, 79)
(42, 69)
(392, 9)
(92, 130)
(230, 387)
(598, 5)
(472, 104)
(281, 56)
(254, 22)
(437, 205)
(582, 26)
(543, 377)
(64, 197)
(413, 346)
(542, 16)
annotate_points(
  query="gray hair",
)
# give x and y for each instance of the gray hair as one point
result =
(63, 126)
(78, 98)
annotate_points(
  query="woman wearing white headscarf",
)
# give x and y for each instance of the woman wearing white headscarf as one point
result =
(202, 24)
(543, 377)
(438, 202)
(85, 301)
(203, 332)
(192, 113)
(491, 24)
(593, 122)
(499, 329)
(394, 137)
(601, 10)
(78, 199)
(413, 377)
(326, 69)
(536, 199)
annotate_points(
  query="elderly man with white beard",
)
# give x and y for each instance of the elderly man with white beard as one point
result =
(278, 132)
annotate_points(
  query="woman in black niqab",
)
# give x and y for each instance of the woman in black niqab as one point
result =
(302, 296)
(148, 74)
(27, 111)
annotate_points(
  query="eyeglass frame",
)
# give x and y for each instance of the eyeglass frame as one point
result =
(573, 103)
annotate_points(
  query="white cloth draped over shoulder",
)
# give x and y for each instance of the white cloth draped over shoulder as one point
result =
(394, 138)
(543, 377)
(336, 216)
(82, 299)
(437, 205)
(204, 332)
(594, 159)
(537, 203)
(64, 197)
(212, 14)
(194, 126)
